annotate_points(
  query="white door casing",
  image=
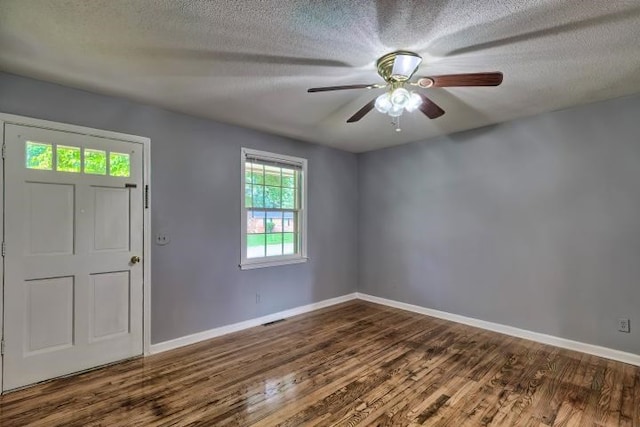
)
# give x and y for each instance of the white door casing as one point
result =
(72, 298)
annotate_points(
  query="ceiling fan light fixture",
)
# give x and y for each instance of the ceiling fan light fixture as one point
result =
(404, 65)
(396, 69)
(398, 66)
(414, 102)
(400, 97)
(396, 111)
(383, 103)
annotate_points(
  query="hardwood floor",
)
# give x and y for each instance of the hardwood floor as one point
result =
(353, 364)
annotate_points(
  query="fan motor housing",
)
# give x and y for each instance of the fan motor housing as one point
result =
(386, 64)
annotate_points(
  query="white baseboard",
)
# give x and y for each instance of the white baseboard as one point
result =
(227, 329)
(608, 353)
(621, 356)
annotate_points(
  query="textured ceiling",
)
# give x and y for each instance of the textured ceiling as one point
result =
(250, 62)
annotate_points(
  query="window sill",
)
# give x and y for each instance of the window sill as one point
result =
(272, 263)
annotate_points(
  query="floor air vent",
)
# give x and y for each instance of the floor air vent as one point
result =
(273, 323)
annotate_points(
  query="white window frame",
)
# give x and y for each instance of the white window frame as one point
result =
(271, 261)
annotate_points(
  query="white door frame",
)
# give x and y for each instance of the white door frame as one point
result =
(146, 160)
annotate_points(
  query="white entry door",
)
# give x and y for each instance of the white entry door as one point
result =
(73, 234)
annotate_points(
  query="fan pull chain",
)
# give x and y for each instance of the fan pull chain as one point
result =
(396, 122)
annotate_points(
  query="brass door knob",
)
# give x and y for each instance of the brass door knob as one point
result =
(135, 259)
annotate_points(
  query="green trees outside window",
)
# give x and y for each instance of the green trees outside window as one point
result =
(68, 159)
(119, 164)
(39, 155)
(271, 194)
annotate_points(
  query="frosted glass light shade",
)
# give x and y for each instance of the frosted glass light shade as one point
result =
(414, 102)
(396, 111)
(400, 97)
(383, 103)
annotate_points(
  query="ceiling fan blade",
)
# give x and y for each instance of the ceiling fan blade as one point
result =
(469, 79)
(328, 88)
(430, 108)
(362, 112)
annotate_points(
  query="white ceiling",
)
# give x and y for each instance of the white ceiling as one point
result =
(250, 62)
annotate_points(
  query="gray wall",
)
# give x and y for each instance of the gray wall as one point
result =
(533, 223)
(196, 283)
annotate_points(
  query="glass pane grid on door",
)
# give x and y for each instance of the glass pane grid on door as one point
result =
(74, 159)
(39, 155)
(73, 294)
(68, 159)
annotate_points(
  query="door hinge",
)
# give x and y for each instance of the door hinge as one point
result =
(2, 347)
(4, 150)
(146, 196)
(4, 249)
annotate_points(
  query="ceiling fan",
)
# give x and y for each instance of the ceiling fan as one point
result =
(396, 68)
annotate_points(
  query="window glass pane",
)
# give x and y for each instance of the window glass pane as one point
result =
(274, 244)
(255, 245)
(288, 222)
(68, 159)
(39, 155)
(288, 198)
(95, 161)
(272, 197)
(289, 244)
(288, 178)
(255, 222)
(247, 174)
(119, 164)
(257, 173)
(248, 199)
(274, 222)
(272, 176)
(258, 196)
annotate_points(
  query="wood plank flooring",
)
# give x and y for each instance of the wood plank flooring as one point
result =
(353, 364)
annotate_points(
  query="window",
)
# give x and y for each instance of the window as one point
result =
(40, 155)
(273, 209)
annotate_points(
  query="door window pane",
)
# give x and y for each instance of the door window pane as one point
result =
(68, 159)
(119, 164)
(39, 155)
(95, 161)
